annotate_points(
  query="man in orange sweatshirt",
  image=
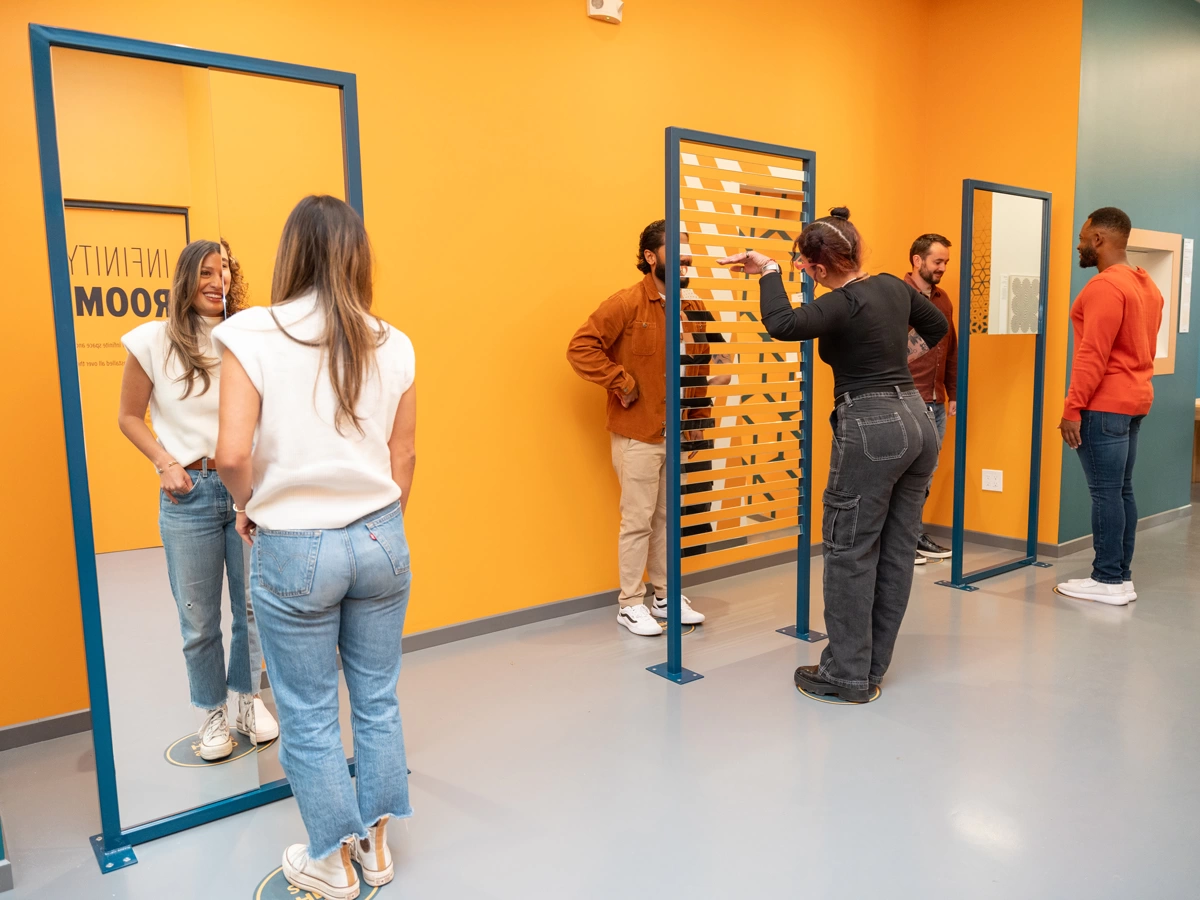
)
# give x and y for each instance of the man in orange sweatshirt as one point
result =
(1115, 318)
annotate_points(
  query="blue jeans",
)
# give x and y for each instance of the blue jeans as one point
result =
(317, 593)
(203, 549)
(1108, 453)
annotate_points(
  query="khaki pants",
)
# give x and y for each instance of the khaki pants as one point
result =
(642, 470)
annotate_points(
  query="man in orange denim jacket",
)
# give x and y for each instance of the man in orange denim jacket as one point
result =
(622, 348)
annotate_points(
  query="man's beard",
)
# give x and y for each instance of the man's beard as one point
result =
(1088, 258)
(661, 274)
(930, 277)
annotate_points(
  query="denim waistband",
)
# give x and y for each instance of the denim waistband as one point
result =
(895, 393)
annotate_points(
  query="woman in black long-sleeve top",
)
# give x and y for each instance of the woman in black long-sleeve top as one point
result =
(885, 444)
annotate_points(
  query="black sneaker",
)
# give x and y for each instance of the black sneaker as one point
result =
(928, 548)
(808, 679)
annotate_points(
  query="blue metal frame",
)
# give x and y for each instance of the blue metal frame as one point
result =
(673, 669)
(958, 579)
(113, 846)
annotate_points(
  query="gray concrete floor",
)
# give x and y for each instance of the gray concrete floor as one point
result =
(1025, 745)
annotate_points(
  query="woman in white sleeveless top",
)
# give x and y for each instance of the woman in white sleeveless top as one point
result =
(317, 446)
(172, 369)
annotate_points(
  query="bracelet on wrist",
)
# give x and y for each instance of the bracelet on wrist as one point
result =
(167, 466)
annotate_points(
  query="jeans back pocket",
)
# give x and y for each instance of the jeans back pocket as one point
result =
(884, 437)
(1115, 424)
(839, 524)
(287, 561)
(388, 531)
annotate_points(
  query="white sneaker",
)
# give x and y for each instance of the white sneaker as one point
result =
(638, 620)
(920, 560)
(215, 741)
(375, 858)
(332, 877)
(687, 615)
(1128, 585)
(255, 720)
(1087, 589)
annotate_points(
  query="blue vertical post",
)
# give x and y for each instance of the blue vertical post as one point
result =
(673, 668)
(802, 629)
(964, 364)
(1039, 392)
(110, 838)
(6, 876)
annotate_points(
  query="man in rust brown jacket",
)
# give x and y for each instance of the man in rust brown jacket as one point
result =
(622, 348)
(936, 373)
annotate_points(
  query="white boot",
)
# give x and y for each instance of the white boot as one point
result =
(332, 877)
(215, 741)
(255, 719)
(374, 856)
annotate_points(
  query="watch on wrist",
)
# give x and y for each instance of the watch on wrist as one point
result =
(770, 267)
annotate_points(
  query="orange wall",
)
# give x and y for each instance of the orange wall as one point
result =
(508, 167)
(1001, 104)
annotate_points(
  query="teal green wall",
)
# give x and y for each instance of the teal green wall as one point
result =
(1139, 149)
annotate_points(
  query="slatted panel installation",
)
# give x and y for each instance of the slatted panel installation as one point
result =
(739, 402)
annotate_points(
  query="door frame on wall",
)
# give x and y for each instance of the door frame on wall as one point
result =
(958, 579)
(114, 845)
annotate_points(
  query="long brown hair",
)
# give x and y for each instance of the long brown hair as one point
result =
(235, 297)
(183, 322)
(324, 248)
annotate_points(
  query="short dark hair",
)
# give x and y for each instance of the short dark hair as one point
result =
(920, 247)
(1112, 219)
(653, 237)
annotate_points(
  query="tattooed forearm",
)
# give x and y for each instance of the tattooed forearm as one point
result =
(916, 345)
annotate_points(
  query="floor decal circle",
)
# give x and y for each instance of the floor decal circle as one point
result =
(276, 887)
(837, 701)
(185, 752)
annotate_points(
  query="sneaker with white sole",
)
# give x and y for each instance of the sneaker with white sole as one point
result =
(920, 560)
(687, 615)
(374, 856)
(255, 720)
(215, 740)
(332, 877)
(1128, 585)
(1087, 589)
(638, 620)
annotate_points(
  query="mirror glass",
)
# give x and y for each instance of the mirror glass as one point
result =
(153, 156)
(1006, 264)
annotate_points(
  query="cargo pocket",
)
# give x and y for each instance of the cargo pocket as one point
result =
(840, 522)
(884, 437)
(287, 561)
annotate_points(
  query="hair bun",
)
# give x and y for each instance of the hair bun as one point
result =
(840, 212)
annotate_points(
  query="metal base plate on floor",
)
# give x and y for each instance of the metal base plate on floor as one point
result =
(838, 701)
(957, 587)
(684, 676)
(813, 637)
(1042, 565)
(276, 887)
(111, 860)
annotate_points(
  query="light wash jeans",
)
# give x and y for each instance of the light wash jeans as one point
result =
(203, 549)
(316, 593)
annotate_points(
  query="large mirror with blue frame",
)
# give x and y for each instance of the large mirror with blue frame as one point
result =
(167, 176)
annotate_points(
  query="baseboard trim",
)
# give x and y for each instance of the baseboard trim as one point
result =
(72, 723)
(1055, 551)
(48, 729)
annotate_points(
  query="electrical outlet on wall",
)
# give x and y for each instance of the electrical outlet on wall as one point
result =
(993, 480)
